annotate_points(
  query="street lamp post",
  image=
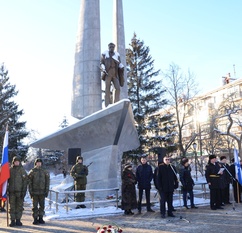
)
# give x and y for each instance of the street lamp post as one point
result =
(195, 152)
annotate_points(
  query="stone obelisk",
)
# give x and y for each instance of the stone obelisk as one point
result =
(86, 96)
(119, 41)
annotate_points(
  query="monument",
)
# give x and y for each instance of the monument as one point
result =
(86, 96)
(102, 134)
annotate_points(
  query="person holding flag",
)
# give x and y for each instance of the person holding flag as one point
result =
(236, 172)
(17, 188)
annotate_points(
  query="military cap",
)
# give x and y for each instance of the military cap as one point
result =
(16, 158)
(38, 160)
(79, 157)
(212, 157)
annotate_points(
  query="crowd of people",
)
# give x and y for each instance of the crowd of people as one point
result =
(165, 179)
(219, 175)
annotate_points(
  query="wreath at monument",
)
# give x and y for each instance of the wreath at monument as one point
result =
(109, 229)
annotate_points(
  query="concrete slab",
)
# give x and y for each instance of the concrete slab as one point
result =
(113, 125)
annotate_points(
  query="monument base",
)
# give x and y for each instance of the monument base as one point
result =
(102, 137)
(105, 168)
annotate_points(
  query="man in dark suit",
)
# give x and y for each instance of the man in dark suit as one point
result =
(166, 183)
(144, 176)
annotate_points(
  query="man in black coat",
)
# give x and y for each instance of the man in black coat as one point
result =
(144, 176)
(212, 175)
(225, 181)
(166, 183)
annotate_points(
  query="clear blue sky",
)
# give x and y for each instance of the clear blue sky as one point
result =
(37, 44)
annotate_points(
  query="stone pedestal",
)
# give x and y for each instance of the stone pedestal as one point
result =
(102, 137)
(104, 172)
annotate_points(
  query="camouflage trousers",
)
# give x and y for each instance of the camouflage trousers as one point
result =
(16, 202)
(80, 197)
(38, 202)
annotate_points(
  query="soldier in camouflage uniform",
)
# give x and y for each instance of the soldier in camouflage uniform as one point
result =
(17, 187)
(39, 182)
(79, 173)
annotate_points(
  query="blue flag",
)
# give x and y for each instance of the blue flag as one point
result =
(238, 170)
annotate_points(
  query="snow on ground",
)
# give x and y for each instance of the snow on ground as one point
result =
(61, 184)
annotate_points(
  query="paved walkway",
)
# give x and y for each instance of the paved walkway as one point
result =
(201, 220)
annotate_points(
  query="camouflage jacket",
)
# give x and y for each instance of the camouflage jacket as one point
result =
(39, 181)
(79, 173)
(18, 180)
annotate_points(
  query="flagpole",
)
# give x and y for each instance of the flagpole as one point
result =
(7, 197)
(7, 212)
(238, 194)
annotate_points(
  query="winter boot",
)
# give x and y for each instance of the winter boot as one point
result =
(12, 224)
(130, 212)
(18, 222)
(126, 212)
(41, 221)
(35, 222)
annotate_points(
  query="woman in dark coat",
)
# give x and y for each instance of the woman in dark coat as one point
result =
(129, 200)
(187, 183)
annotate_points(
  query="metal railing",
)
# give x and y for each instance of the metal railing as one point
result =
(54, 196)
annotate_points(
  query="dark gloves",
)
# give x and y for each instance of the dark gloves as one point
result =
(46, 194)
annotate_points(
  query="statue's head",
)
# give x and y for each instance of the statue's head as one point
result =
(111, 47)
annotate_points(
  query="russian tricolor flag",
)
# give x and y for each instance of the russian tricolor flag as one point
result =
(5, 173)
(238, 170)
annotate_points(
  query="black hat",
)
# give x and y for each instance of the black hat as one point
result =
(38, 160)
(212, 157)
(222, 157)
(184, 161)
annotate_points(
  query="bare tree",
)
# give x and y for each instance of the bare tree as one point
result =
(211, 139)
(229, 120)
(181, 89)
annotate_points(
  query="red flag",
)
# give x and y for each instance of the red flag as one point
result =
(5, 173)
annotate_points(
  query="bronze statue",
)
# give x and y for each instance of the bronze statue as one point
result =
(112, 71)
